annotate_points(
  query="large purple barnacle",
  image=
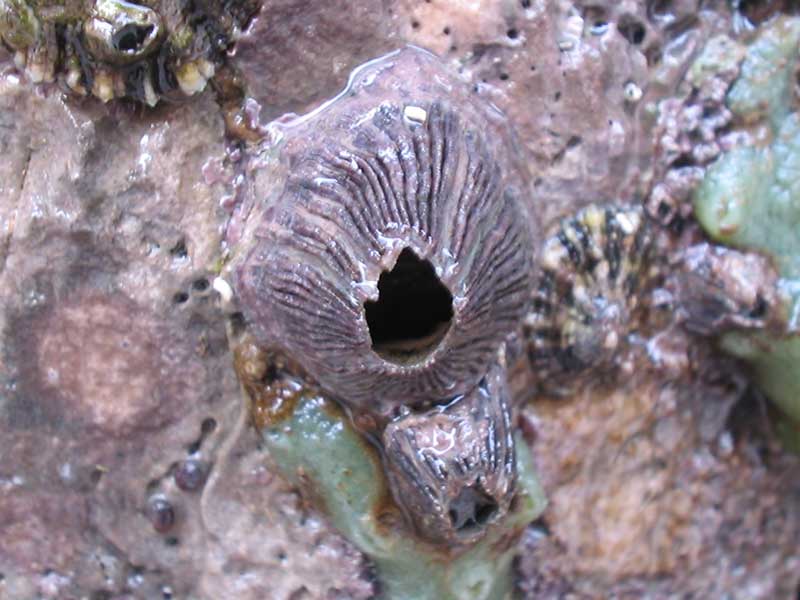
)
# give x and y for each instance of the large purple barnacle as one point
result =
(397, 257)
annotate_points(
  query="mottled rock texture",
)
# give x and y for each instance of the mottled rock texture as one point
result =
(114, 365)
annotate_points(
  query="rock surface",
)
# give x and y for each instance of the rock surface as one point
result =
(114, 365)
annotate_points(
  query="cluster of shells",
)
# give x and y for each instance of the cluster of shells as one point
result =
(401, 264)
(118, 49)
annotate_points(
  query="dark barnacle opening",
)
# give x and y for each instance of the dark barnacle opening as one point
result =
(472, 509)
(130, 38)
(413, 311)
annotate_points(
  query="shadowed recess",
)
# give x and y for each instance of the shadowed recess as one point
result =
(131, 38)
(472, 509)
(413, 311)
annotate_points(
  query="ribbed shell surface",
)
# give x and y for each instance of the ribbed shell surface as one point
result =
(374, 179)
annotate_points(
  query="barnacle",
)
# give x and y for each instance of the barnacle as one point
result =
(115, 48)
(316, 447)
(454, 465)
(393, 265)
(397, 259)
(120, 33)
(593, 266)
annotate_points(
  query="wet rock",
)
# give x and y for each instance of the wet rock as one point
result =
(294, 55)
(684, 483)
(112, 221)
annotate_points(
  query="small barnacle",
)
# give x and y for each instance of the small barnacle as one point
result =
(397, 258)
(453, 466)
(121, 49)
(594, 266)
(19, 26)
(272, 383)
(160, 513)
(119, 32)
(720, 289)
(190, 474)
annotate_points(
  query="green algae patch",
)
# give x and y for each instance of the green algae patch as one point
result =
(775, 363)
(764, 88)
(318, 450)
(750, 199)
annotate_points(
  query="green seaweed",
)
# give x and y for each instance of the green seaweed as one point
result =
(764, 87)
(317, 449)
(750, 199)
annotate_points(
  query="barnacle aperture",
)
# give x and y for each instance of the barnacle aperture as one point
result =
(397, 258)
(120, 32)
(593, 267)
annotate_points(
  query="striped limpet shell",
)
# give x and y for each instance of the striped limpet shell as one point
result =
(593, 268)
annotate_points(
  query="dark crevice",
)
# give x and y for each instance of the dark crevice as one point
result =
(131, 38)
(412, 313)
(179, 250)
(472, 509)
(631, 29)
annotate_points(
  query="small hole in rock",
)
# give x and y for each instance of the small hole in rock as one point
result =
(208, 426)
(596, 19)
(180, 297)
(201, 285)
(760, 308)
(179, 250)
(677, 225)
(471, 510)
(684, 160)
(131, 38)
(96, 475)
(631, 29)
(414, 24)
(664, 209)
(540, 529)
(758, 11)
(238, 323)
(503, 76)
(413, 311)
(660, 9)
(526, 3)
(512, 34)
(446, 31)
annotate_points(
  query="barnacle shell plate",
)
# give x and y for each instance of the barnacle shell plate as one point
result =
(404, 159)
